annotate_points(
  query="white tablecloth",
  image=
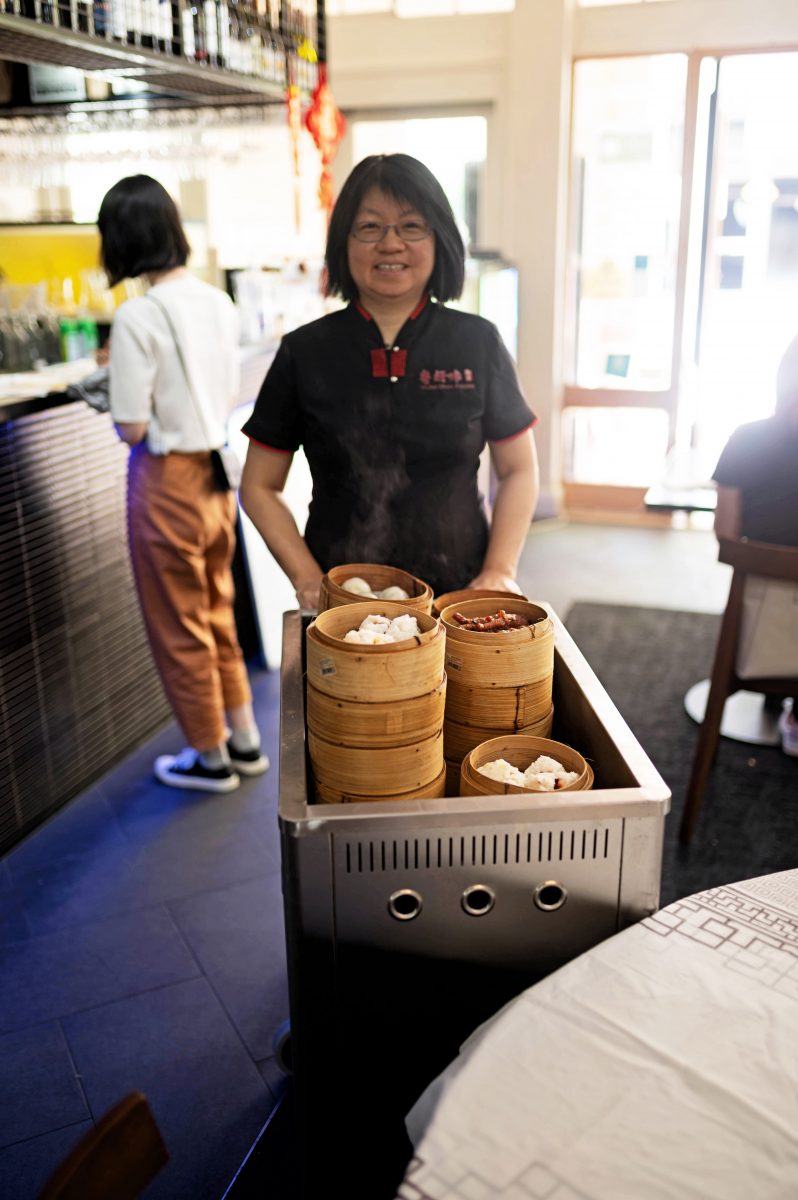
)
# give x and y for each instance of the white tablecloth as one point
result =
(661, 1065)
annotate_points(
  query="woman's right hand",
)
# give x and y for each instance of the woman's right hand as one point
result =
(307, 594)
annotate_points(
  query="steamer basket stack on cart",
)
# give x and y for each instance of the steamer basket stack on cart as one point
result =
(498, 683)
(375, 713)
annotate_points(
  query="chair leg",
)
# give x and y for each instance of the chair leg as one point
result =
(706, 745)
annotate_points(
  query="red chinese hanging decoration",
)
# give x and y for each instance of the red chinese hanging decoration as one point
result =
(326, 125)
(293, 101)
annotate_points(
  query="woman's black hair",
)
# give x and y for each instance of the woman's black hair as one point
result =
(140, 230)
(407, 180)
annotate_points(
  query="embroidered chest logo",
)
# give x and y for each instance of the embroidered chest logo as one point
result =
(447, 381)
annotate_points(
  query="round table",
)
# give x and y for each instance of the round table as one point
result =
(660, 1065)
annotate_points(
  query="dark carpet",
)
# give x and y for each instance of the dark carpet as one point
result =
(647, 658)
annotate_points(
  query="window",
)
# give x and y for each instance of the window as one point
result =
(626, 195)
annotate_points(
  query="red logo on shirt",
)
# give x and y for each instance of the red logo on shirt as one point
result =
(446, 381)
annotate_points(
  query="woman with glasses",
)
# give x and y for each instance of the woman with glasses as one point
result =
(393, 399)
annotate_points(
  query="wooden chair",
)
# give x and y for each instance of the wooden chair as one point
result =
(747, 558)
(115, 1160)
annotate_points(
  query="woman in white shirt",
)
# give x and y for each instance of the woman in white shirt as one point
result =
(173, 380)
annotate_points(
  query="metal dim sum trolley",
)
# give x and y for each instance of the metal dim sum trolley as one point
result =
(408, 924)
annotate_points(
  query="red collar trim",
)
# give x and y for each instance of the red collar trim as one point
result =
(422, 304)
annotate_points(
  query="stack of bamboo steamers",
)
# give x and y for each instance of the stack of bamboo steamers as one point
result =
(375, 713)
(395, 721)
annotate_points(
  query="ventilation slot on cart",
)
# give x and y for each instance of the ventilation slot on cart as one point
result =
(478, 850)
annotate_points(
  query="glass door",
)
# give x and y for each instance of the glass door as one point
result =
(626, 206)
(684, 264)
(747, 310)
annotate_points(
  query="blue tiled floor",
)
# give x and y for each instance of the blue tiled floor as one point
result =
(141, 948)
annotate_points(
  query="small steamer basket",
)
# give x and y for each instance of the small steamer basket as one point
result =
(351, 671)
(515, 658)
(328, 795)
(378, 577)
(520, 750)
(366, 771)
(382, 723)
(459, 739)
(447, 598)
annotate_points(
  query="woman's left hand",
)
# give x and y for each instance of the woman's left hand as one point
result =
(495, 581)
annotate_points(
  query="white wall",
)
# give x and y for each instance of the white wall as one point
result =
(518, 64)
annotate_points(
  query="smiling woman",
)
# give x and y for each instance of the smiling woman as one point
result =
(393, 399)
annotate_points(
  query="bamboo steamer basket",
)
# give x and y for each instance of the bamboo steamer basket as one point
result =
(459, 739)
(428, 791)
(383, 771)
(377, 576)
(520, 750)
(372, 674)
(443, 601)
(505, 709)
(499, 660)
(385, 723)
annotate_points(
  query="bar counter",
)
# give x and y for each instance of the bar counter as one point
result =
(78, 690)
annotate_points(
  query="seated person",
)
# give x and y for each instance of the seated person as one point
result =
(757, 478)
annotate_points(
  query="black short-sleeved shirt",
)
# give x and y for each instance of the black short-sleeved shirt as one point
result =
(393, 435)
(761, 459)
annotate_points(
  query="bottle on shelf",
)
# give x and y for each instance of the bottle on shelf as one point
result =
(200, 44)
(102, 18)
(209, 10)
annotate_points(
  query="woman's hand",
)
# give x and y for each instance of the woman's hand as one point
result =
(307, 594)
(495, 581)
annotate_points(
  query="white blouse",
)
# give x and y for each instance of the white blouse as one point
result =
(147, 381)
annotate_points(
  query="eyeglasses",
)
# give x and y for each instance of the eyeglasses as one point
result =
(409, 231)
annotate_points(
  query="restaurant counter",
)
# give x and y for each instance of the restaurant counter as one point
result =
(77, 683)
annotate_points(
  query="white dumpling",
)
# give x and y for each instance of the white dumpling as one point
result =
(376, 621)
(544, 763)
(502, 772)
(540, 781)
(403, 627)
(393, 593)
(358, 587)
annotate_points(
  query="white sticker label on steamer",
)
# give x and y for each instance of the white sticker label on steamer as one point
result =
(455, 663)
(326, 666)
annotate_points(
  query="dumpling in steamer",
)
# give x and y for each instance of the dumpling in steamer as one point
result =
(358, 587)
(502, 772)
(377, 630)
(393, 593)
(402, 627)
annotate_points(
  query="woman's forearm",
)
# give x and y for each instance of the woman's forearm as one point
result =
(275, 523)
(513, 509)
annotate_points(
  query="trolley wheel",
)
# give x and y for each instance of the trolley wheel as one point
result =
(281, 1045)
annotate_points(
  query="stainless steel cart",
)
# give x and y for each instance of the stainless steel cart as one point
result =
(409, 923)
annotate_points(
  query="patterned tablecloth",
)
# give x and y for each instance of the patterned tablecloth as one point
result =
(661, 1065)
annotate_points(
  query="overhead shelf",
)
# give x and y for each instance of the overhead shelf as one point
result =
(23, 40)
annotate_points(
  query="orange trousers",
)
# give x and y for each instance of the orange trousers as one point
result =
(182, 538)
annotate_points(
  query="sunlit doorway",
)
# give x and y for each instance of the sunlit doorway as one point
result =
(748, 287)
(683, 264)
